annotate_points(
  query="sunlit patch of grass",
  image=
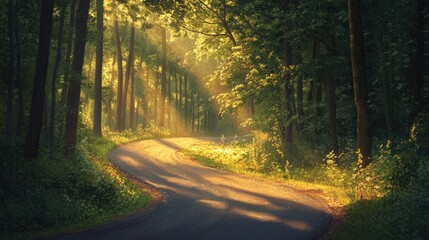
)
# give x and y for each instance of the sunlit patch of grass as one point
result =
(332, 183)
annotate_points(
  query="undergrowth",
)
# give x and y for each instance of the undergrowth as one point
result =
(389, 199)
(53, 194)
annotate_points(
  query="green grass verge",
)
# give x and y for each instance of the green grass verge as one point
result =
(52, 194)
(385, 215)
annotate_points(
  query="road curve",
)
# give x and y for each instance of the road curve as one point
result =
(206, 203)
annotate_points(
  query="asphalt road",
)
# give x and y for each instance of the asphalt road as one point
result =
(206, 203)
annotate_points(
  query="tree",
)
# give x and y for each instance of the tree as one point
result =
(54, 74)
(163, 76)
(13, 62)
(38, 96)
(357, 47)
(98, 69)
(119, 124)
(130, 64)
(73, 96)
(417, 81)
(287, 58)
(72, 21)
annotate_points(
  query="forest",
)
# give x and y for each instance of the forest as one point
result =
(329, 97)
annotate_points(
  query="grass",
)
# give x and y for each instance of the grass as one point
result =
(373, 209)
(52, 194)
(245, 158)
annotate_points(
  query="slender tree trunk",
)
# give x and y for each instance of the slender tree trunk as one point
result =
(299, 98)
(12, 69)
(198, 112)
(98, 69)
(177, 101)
(73, 96)
(287, 108)
(185, 110)
(130, 63)
(111, 92)
(38, 97)
(19, 80)
(137, 114)
(72, 21)
(169, 100)
(180, 109)
(132, 101)
(388, 100)
(163, 77)
(331, 102)
(192, 118)
(54, 75)
(119, 124)
(357, 45)
(417, 81)
(155, 103)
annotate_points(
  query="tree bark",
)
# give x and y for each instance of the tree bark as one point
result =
(417, 79)
(38, 97)
(287, 95)
(169, 99)
(163, 77)
(177, 101)
(299, 99)
(73, 95)
(72, 21)
(119, 124)
(98, 69)
(12, 69)
(54, 75)
(185, 110)
(357, 46)
(331, 102)
(132, 101)
(130, 63)
(155, 100)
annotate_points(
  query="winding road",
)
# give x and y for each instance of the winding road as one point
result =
(206, 203)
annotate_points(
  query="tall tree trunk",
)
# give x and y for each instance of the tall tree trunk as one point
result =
(180, 109)
(357, 46)
(177, 101)
(417, 82)
(130, 63)
(155, 100)
(331, 102)
(12, 68)
(38, 97)
(192, 118)
(72, 21)
(198, 112)
(73, 96)
(185, 110)
(169, 99)
(132, 101)
(387, 79)
(299, 99)
(19, 80)
(119, 124)
(98, 69)
(163, 77)
(287, 95)
(54, 75)
(111, 92)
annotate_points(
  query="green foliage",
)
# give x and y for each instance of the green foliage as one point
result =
(53, 194)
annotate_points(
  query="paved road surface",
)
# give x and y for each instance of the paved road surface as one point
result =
(205, 203)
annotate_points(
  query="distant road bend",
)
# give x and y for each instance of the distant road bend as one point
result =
(206, 203)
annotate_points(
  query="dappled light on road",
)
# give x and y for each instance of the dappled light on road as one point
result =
(205, 203)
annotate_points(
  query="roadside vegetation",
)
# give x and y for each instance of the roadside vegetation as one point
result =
(55, 194)
(389, 199)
